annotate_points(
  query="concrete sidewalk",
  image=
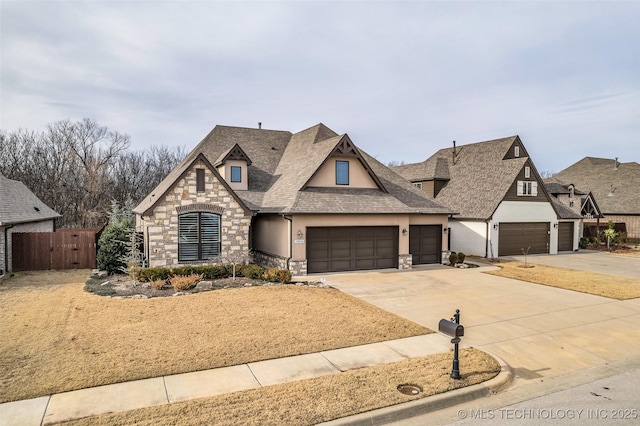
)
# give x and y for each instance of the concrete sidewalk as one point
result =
(180, 387)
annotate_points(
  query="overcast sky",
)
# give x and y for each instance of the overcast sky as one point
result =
(403, 79)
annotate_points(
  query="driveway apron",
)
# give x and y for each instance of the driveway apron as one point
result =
(539, 331)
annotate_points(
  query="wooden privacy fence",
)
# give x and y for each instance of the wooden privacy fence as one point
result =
(62, 249)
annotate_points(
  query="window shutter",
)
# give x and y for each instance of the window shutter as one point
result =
(520, 187)
(210, 235)
(534, 188)
(188, 236)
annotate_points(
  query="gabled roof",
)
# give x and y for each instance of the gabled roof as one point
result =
(479, 177)
(614, 184)
(283, 164)
(234, 153)
(19, 205)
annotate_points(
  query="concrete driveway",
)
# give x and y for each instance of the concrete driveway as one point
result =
(540, 331)
(590, 260)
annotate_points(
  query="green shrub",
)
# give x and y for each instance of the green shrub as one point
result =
(584, 242)
(461, 257)
(453, 258)
(112, 247)
(153, 274)
(254, 272)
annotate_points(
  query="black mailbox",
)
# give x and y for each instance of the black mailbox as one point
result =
(450, 328)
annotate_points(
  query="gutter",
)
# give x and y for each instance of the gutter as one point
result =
(285, 217)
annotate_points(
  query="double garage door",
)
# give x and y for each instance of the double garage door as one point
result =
(351, 248)
(514, 237)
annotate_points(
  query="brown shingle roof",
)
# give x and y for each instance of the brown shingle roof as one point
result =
(479, 178)
(282, 163)
(615, 189)
(19, 205)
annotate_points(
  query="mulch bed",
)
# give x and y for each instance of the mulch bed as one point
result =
(121, 286)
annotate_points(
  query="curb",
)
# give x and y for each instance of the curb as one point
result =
(431, 403)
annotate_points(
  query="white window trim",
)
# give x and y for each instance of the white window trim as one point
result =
(527, 172)
(516, 151)
(527, 188)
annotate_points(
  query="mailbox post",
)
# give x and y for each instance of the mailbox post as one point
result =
(453, 329)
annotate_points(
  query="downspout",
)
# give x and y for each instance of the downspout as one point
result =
(290, 240)
(486, 241)
(6, 249)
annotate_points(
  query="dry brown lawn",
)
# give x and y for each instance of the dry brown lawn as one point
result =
(316, 400)
(56, 337)
(614, 287)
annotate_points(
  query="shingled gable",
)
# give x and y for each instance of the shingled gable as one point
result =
(19, 205)
(346, 148)
(234, 153)
(150, 202)
(479, 175)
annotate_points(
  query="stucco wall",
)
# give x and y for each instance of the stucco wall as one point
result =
(271, 235)
(515, 211)
(225, 172)
(43, 226)
(358, 176)
(469, 237)
(161, 226)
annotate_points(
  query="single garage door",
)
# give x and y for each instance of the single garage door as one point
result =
(517, 236)
(351, 248)
(565, 236)
(425, 244)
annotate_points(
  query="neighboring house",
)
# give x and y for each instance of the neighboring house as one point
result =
(502, 203)
(582, 203)
(615, 186)
(20, 211)
(309, 202)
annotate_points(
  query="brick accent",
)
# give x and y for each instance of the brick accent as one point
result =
(161, 226)
(632, 222)
(405, 261)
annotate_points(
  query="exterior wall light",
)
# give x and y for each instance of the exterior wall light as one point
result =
(404, 231)
(555, 225)
(299, 233)
(495, 226)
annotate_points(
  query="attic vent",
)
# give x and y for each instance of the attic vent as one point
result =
(36, 209)
(617, 163)
(611, 190)
(259, 125)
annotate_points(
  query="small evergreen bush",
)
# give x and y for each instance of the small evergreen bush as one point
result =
(453, 258)
(461, 257)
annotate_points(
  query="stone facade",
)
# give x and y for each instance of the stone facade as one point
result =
(161, 226)
(298, 267)
(43, 226)
(269, 260)
(405, 261)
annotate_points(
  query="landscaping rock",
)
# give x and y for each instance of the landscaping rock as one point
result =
(98, 274)
(204, 285)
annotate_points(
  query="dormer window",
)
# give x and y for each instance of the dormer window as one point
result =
(342, 172)
(516, 151)
(236, 174)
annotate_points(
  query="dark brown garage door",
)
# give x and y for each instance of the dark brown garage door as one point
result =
(425, 244)
(565, 236)
(517, 236)
(351, 248)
